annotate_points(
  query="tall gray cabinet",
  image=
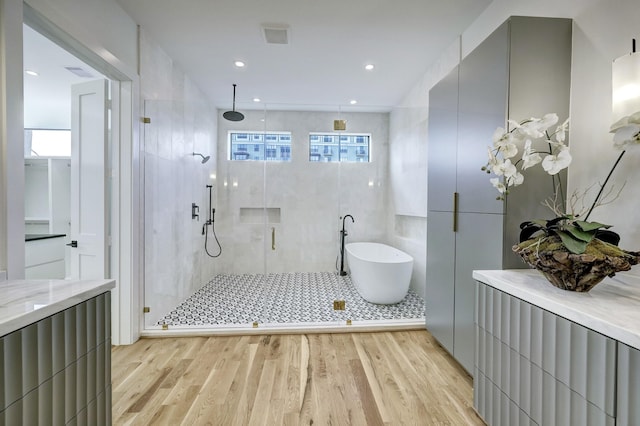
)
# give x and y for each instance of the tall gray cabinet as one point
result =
(521, 70)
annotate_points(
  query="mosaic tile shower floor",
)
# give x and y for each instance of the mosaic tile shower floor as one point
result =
(284, 298)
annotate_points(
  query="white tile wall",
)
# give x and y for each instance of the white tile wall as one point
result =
(182, 122)
(311, 196)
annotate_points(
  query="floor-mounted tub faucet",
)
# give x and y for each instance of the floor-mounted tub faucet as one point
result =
(343, 234)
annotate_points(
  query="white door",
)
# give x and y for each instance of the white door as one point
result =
(89, 134)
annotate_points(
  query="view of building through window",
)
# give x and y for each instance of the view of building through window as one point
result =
(346, 147)
(276, 146)
(259, 146)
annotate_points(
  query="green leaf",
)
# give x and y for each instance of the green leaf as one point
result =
(580, 234)
(590, 226)
(573, 245)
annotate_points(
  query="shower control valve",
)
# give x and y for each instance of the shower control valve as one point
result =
(194, 211)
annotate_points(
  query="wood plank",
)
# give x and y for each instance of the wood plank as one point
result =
(383, 378)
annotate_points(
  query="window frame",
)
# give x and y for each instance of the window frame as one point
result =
(320, 141)
(269, 141)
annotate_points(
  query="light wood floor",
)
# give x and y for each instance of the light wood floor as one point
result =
(384, 378)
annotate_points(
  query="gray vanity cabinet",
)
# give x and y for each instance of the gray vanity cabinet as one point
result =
(628, 386)
(536, 367)
(521, 70)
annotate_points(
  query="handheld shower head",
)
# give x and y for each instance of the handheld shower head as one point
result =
(204, 159)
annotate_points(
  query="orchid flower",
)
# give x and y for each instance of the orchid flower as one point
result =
(529, 157)
(515, 180)
(552, 164)
(505, 168)
(508, 150)
(561, 131)
(502, 156)
(626, 131)
(536, 127)
(498, 184)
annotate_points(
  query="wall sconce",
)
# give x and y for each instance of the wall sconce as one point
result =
(626, 85)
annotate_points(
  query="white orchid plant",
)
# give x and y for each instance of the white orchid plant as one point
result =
(574, 232)
(626, 132)
(503, 162)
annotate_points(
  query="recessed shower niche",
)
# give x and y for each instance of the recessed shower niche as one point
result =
(259, 214)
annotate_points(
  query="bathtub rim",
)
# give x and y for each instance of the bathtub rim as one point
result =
(403, 258)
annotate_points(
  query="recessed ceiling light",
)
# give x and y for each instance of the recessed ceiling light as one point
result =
(256, 99)
(353, 102)
(239, 64)
(31, 72)
(369, 67)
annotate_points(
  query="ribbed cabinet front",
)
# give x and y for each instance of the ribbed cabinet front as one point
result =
(628, 388)
(534, 367)
(58, 370)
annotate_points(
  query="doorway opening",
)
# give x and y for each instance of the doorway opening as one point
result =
(60, 186)
(121, 181)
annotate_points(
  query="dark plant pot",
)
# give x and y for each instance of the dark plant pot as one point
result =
(575, 272)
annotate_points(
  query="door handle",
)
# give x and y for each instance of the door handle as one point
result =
(73, 243)
(273, 238)
(455, 211)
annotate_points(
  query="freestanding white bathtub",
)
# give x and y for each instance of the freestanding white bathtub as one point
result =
(381, 273)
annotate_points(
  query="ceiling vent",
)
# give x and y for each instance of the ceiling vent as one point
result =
(276, 34)
(80, 72)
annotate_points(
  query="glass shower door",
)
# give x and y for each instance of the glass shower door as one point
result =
(301, 202)
(186, 283)
(160, 294)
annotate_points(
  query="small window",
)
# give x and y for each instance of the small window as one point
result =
(47, 143)
(352, 148)
(272, 146)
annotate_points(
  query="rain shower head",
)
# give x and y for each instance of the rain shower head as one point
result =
(233, 115)
(204, 159)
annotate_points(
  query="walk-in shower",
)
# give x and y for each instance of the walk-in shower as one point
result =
(283, 173)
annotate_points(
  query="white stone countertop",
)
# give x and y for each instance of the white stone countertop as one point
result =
(611, 308)
(24, 302)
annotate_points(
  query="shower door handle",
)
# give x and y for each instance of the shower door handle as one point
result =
(455, 211)
(273, 238)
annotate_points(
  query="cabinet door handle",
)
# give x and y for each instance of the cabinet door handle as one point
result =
(73, 244)
(273, 238)
(455, 211)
